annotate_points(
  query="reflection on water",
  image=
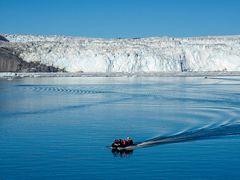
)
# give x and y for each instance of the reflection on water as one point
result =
(122, 153)
(59, 128)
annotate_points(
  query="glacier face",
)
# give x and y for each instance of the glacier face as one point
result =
(131, 55)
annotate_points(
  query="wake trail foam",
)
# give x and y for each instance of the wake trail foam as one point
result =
(193, 135)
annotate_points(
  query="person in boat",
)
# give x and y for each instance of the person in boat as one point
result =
(125, 143)
(116, 143)
(122, 143)
(129, 141)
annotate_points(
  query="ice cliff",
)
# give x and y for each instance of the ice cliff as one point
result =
(165, 54)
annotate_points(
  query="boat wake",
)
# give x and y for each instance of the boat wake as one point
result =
(208, 132)
(193, 135)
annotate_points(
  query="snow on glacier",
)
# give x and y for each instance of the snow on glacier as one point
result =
(164, 54)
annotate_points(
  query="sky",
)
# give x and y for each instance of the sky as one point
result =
(120, 18)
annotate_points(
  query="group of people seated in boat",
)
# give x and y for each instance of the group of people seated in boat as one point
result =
(122, 143)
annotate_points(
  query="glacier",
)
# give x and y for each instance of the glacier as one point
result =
(130, 55)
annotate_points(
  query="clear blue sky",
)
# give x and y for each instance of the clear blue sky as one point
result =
(121, 18)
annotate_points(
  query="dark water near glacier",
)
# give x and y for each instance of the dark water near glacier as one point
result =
(58, 128)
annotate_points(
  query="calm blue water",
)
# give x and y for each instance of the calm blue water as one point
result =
(58, 128)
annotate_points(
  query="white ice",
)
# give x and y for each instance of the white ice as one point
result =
(146, 55)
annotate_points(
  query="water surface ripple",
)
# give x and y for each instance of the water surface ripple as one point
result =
(53, 128)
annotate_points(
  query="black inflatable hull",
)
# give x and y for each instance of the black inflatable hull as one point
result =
(119, 147)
